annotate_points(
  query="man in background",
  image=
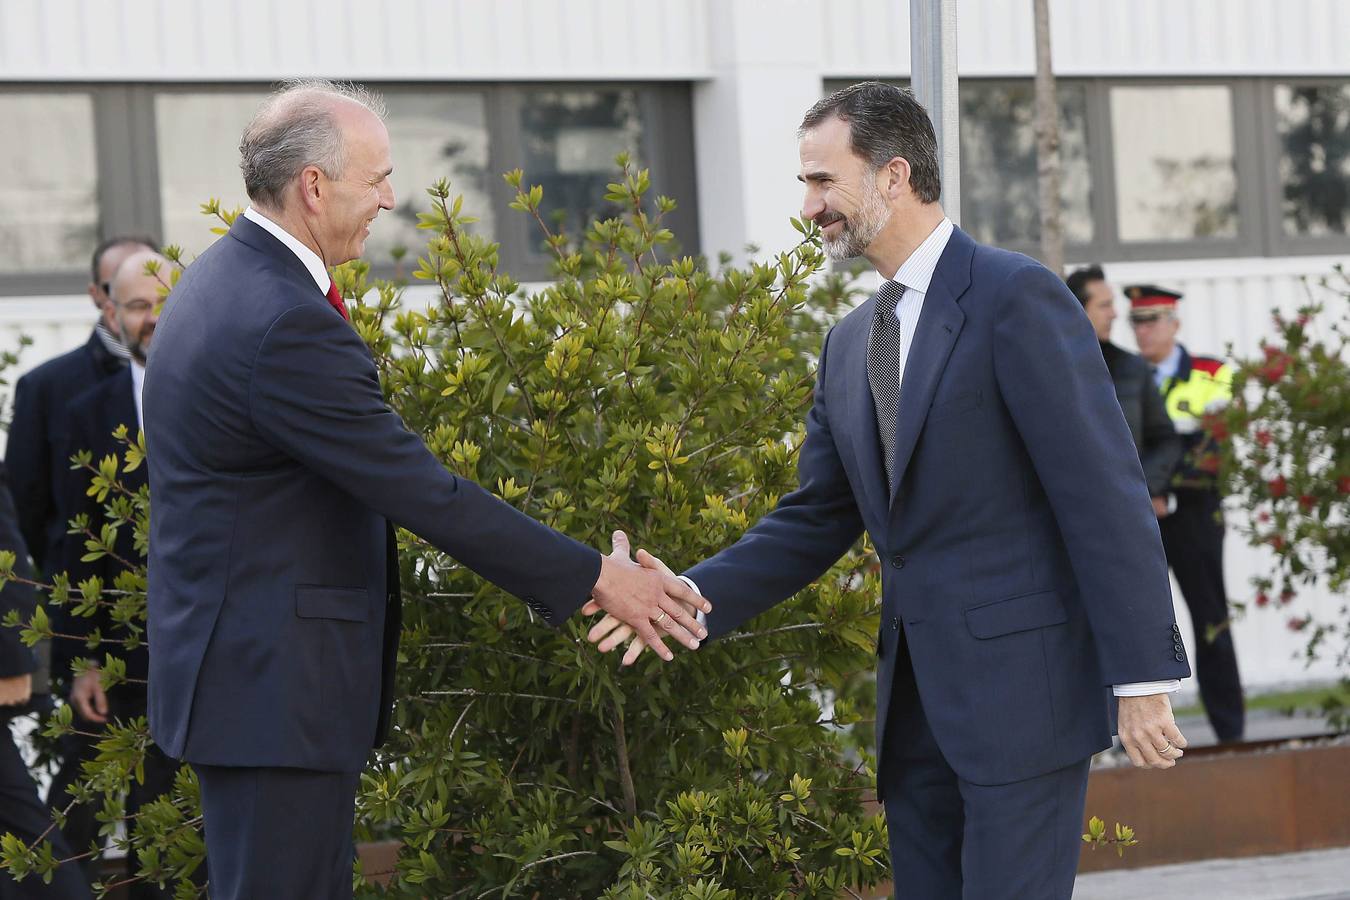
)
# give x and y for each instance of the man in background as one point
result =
(36, 451)
(1156, 440)
(1192, 387)
(93, 417)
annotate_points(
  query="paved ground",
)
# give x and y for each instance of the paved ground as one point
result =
(1262, 725)
(1318, 875)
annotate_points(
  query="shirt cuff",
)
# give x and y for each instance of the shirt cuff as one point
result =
(1146, 688)
(700, 615)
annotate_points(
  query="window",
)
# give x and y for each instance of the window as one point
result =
(1000, 195)
(197, 137)
(434, 135)
(570, 141)
(49, 210)
(1175, 164)
(1313, 124)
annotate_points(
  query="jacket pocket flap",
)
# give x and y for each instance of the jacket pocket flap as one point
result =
(956, 404)
(319, 602)
(1021, 613)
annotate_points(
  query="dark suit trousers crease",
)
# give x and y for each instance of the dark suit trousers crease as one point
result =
(952, 839)
(22, 814)
(1193, 539)
(278, 834)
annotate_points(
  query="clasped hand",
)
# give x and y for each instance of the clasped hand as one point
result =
(648, 601)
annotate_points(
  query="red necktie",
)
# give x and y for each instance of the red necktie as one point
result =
(336, 299)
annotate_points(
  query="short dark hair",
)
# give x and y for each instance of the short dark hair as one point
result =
(117, 240)
(885, 122)
(1079, 279)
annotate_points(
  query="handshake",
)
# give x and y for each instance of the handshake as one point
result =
(644, 603)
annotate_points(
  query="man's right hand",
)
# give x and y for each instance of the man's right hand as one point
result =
(1160, 507)
(641, 597)
(88, 697)
(15, 691)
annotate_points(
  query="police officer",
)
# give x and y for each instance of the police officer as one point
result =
(1192, 526)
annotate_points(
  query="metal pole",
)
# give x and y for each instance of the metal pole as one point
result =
(932, 52)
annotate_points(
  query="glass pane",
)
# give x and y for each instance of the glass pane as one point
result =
(1000, 197)
(432, 136)
(1314, 127)
(571, 139)
(197, 135)
(49, 195)
(1174, 163)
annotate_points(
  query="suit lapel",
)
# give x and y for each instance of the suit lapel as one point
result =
(939, 325)
(863, 414)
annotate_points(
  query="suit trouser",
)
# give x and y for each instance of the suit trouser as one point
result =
(278, 834)
(82, 825)
(1193, 539)
(952, 839)
(22, 814)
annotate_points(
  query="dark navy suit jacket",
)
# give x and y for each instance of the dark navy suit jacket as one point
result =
(275, 470)
(93, 416)
(1020, 552)
(36, 453)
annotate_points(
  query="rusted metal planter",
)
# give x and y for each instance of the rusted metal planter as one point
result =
(1225, 805)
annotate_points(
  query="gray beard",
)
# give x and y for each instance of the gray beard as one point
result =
(859, 231)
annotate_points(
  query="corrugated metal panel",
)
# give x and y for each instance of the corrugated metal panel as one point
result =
(164, 40)
(1105, 37)
(47, 40)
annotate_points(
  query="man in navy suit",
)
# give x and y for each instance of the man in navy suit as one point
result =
(36, 453)
(94, 417)
(964, 417)
(277, 473)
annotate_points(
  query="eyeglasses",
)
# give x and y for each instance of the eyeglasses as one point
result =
(139, 307)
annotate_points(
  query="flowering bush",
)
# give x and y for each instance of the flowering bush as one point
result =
(1286, 440)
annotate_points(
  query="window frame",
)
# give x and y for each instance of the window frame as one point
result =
(128, 171)
(1274, 236)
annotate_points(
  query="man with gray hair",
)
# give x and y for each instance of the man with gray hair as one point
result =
(278, 474)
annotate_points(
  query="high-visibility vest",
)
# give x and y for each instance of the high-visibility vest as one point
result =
(1201, 386)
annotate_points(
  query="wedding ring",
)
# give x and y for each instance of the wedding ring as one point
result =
(1165, 749)
(658, 619)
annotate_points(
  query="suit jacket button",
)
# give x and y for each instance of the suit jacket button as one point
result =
(1181, 657)
(1178, 646)
(1176, 629)
(897, 562)
(895, 624)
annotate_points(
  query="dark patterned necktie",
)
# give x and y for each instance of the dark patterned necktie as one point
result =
(883, 368)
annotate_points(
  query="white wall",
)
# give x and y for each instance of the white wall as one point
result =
(136, 40)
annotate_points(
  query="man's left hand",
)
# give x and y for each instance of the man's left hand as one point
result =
(1149, 733)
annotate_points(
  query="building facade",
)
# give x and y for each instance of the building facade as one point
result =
(1206, 143)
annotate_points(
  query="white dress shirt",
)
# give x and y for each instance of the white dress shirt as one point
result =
(137, 386)
(1168, 367)
(307, 256)
(916, 274)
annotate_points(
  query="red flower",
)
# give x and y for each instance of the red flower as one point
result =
(1274, 372)
(1278, 486)
(1343, 484)
(1302, 320)
(1263, 516)
(1276, 542)
(1217, 428)
(1263, 438)
(1270, 352)
(1262, 599)
(1298, 624)
(1307, 502)
(1286, 597)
